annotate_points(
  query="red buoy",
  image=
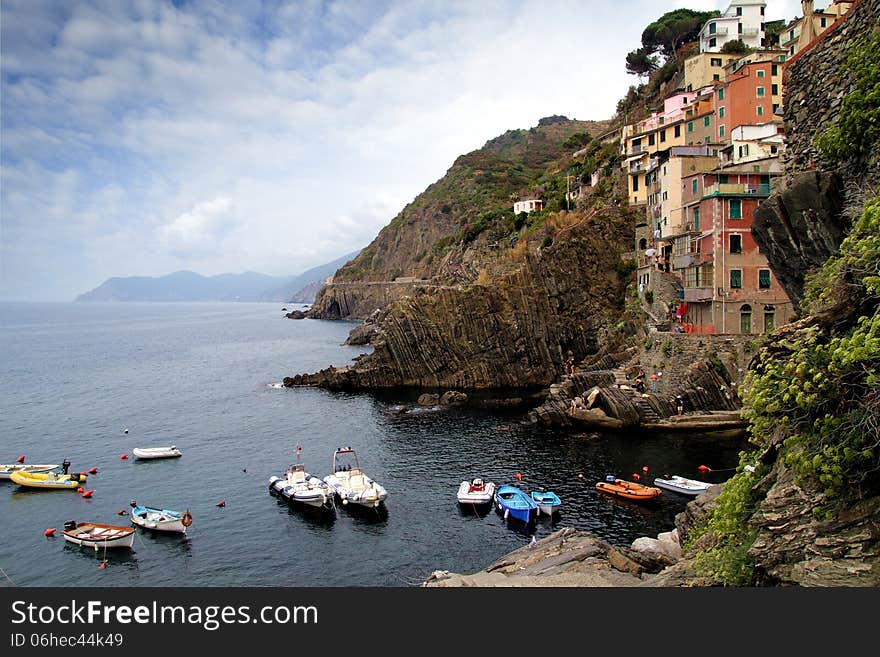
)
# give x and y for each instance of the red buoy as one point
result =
(80, 489)
(123, 456)
(93, 470)
(121, 512)
(704, 468)
(519, 476)
(636, 476)
(221, 503)
(82, 476)
(88, 493)
(644, 468)
(103, 565)
(20, 459)
(49, 532)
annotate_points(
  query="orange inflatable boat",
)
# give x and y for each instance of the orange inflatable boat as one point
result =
(627, 489)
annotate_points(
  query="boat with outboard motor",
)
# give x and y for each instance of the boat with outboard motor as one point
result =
(97, 536)
(298, 486)
(48, 480)
(476, 491)
(350, 483)
(160, 520)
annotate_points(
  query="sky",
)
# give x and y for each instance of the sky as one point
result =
(142, 137)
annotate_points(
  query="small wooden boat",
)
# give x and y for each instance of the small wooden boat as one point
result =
(298, 486)
(160, 520)
(514, 503)
(548, 502)
(476, 491)
(682, 485)
(48, 480)
(98, 536)
(6, 470)
(157, 452)
(627, 489)
(350, 483)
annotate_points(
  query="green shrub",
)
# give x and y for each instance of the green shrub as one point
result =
(649, 296)
(548, 241)
(668, 348)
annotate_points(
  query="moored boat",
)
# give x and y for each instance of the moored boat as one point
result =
(682, 485)
(98, 536)
(147, 453)
(48, 480)
(548, 501)
(514, 503)
(298, 486)
(476, 491)
(627, 489)
(160, 520)
(7, 469)
(350, 483)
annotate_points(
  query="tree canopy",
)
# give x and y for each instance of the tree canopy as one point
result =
(641, 62)
(735, 47)
(673, 29)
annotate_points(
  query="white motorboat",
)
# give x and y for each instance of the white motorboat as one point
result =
(682, 485)
(476, 491)
(160, 520)
(97, 536)
(157, 452)
(6, 470)
(350, 483)
(297, 485)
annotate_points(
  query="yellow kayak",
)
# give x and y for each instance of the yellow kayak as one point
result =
(47, 480)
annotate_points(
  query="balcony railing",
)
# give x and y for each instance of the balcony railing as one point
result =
(636, 150)
(724, 189)
(719, 31)
(698, 293)
(750, 31)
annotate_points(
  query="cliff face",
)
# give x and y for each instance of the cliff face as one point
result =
(450, 230)
(512, 330)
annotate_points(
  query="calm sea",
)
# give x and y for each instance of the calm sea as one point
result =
(205, 377)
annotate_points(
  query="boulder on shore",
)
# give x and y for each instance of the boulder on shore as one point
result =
(453, 398)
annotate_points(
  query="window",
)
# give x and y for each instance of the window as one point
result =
(716, 76)
(774, 89)
(694, 186)
(707, 121)
(678, 131)
(764, 279)
(739, 28)
(735, 208)
(782, 58)
(736, 279)
(651, 139)
(823, 22)
(723, 179)
(760, 92)
(760, 73)
(775, 107)
(745, 321)
(774, 150)
(791, 35)
(715, 61)
(662, 136)
(760, 110)
(736, 243)
(774, 69)
(635, 183)
(721, 131)
(762, 10)
(739, 11)
(721, 93)
(713, 42)
(665, 198)
(712, 28)
(697, 219)
(720, 112)
(769, 321)
(690, 126)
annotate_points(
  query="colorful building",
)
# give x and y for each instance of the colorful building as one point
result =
(750, 95)
(797, 34)
(742, 21)
(704, 69)
(528, 205)
(728, 284)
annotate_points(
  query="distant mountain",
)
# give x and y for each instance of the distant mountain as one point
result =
(190, 286)
(303, 288)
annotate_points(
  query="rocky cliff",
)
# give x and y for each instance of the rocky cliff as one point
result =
(514, 326)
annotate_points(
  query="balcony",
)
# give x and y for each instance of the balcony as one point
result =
(736, 189)
(698, 293)
(636, 150)
(750, 31)
(719, 31)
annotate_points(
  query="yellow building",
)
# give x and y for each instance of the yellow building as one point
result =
(793, 38)
(705, 68)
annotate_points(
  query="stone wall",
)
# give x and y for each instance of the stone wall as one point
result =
(815, 86)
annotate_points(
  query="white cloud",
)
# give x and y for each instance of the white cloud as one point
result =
(199, 230)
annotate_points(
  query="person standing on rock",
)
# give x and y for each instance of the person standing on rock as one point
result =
(654, 380)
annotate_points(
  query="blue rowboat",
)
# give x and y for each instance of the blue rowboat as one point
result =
(160, 520)
(514, 503)
(548, 502)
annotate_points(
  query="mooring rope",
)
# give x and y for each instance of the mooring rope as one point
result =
(7, 577)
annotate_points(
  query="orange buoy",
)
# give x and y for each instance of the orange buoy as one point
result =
(636, 476)
(704, 468)
(20, 459)
(93, 470)
(123, 456)
(121, 512)
(644, 468)
(221, 503)
(88, 493)
(519, 476)
(49, 532)
(80, 489)
(103, 565)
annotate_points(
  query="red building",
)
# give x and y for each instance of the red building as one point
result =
(728, 284)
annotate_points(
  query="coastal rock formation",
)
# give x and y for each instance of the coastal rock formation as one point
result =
(511, 332)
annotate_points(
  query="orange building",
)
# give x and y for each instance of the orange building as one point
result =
(750, 95)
